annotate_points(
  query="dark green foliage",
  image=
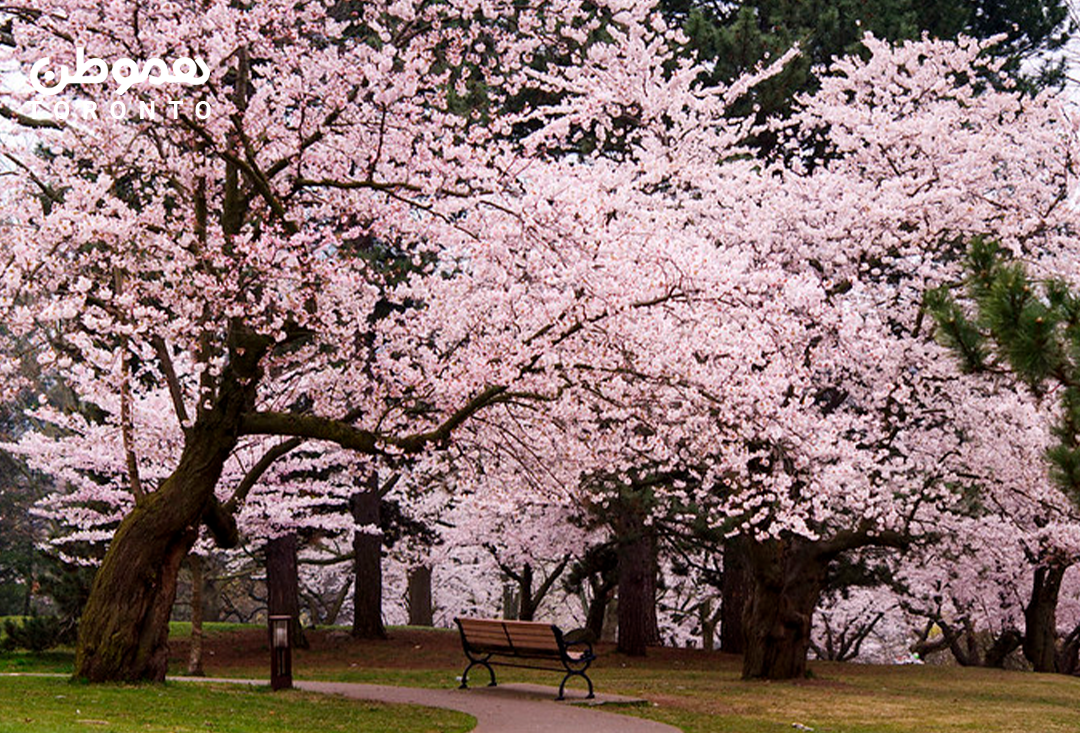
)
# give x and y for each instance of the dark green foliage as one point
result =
(955, 331)
(36, 633)
(732, 38)
(1028, 330)
(598, 565)
(68, 585)
(18, 534)
(737, 36)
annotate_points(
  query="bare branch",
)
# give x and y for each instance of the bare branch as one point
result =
(27, 121)
(363, 441)
(255, 472)
(169, 371)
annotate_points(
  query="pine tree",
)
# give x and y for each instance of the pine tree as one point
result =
(732, 38)
(1006, 324)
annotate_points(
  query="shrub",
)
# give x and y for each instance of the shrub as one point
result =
(36, 633)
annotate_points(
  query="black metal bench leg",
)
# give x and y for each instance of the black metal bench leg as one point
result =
(562, 685)
(473, 663)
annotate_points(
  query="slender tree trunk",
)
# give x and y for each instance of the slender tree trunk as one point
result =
(609, 632)
(527, 605)
(601, 596)
(510, 600)
(283, 584)
(421, 612)
(335, 608)
(708, 621)
(367, 546)
(734, 595)
(1040, 618)
(195, 655)
(637, 594)
(788, 576)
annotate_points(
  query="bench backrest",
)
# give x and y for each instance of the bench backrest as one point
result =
(510, 637)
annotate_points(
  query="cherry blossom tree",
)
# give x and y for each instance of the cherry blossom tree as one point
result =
(217, 254)
(786, 382)
(604, 280)
(227, 248)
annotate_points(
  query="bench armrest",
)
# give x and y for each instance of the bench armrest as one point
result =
(582, 646)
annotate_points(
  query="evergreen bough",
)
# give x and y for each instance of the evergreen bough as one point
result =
(1004, 323)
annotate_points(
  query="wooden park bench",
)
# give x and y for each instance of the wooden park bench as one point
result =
(516, 641)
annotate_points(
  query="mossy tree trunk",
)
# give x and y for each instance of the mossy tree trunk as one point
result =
(124, 630)
(123, 634)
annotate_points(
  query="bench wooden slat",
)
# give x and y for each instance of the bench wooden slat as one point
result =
(485, 635)
(522, 636)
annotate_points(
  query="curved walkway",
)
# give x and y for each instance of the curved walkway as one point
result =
(503, 709)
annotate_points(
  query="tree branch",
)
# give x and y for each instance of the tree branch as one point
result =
(864, 536)
(363, 441)
(26, 121)
(542, 591)
(255, 472)
(169, 371)
(309, 426)
(417, 441)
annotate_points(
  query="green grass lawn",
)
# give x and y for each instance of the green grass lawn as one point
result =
(182, 629)
(848, 698)
(699, 692)
(51, 705)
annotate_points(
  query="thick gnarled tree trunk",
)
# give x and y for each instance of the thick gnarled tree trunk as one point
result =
(124, 630)
(787, 578)
(123, 634)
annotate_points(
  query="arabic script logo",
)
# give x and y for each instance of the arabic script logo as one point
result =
(126, 72)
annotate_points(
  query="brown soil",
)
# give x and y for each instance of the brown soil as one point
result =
(234, 652)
